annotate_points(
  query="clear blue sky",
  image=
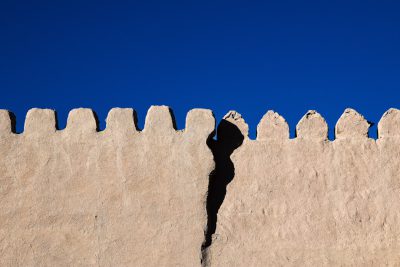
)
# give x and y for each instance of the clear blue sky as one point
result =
(251, 56)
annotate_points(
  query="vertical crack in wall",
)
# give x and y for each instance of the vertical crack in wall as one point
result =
(229, 137)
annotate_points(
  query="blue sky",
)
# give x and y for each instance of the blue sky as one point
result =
(251, 56)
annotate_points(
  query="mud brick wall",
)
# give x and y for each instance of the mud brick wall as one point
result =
(309, 201)
(200, 196)
(120, 197)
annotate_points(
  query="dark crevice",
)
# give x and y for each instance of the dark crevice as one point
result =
(135, 120)
(56, 122)
(96, 118)
(173, 119)
(13, 120)
(229, 137)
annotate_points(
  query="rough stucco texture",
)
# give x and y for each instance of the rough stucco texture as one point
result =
(309, 201)
(119, 197)
(123, 197)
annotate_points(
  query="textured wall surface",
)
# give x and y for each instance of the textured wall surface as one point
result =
(309, 201)
(124, 197)
(120, 197)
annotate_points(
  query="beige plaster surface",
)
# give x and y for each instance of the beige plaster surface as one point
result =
(119, 197)
(309, 201)
(124, 197)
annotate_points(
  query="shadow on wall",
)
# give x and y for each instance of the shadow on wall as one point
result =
(228, 139)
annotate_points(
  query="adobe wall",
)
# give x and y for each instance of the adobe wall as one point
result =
(309, 201)
(119, 197)
(124, 197)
